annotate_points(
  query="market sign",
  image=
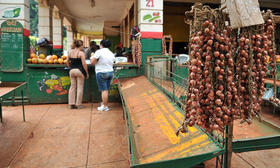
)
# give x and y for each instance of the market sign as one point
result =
(11, 53)
(148, 16)
(151, 4)
(244, 13)
(11, 26)
(11, 12)
(150, 11)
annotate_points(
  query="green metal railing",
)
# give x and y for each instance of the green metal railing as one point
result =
(161, 73)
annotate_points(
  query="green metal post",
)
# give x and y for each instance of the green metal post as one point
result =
(161, 78)
(217, 161)
(22, 102)
(226, 147)
(173, 86)
(228, 154)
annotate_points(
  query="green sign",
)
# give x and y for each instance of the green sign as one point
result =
(11, 13)
(11, 57)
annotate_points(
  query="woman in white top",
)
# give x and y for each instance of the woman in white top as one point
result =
(103, 59)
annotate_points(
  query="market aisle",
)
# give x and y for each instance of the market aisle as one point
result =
(56, 136)
(108, 147)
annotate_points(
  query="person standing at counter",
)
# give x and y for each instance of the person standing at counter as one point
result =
(91, 50)
(78, 72)
(103, 59)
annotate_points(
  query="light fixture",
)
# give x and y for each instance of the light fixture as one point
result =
(92, 3)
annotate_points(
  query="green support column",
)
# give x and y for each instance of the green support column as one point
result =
(149, 47)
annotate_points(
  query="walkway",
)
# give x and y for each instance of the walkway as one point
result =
(57, 137)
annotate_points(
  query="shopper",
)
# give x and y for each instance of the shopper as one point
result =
(103, 60)
(78, 72)
(91, 50)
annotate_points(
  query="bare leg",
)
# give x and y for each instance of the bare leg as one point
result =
(104, 95)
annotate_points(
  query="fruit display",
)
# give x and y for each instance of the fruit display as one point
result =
(227, 70)
(42, 59)
(277, 57)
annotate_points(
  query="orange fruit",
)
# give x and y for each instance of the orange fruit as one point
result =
(34, 61)
(42, 56)
(45, 61)
(277, 58)
(40, 61)
(54, 57)
(55, 61)
(50, 61)
(65, 61)
(60, 60)
(29, 60)
(63, 57)
(33, 55)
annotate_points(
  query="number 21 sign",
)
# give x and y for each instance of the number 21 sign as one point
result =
(151, 4)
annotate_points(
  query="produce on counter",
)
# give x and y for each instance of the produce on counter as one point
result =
(50, 59)
(227, 70)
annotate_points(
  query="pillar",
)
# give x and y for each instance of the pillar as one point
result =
(150, 22)
(135, 13)
(8, 8)
(45, 12)
(69, 36)
(124, 32)
(128, 29)
(150, 18)
(57, 33)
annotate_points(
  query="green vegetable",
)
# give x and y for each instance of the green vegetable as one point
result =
(148, 16)
(154, 18)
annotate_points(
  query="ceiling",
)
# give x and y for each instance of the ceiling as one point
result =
(193, 1)
(91, 19)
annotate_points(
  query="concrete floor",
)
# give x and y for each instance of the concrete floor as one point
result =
(56, 137)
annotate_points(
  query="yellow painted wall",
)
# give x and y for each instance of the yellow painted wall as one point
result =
(173, 22)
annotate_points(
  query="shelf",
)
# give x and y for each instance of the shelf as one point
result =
(46, 65)
(64, 65)
(271, 81)
(125, 65)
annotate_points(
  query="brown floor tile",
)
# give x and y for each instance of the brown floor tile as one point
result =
(53, 152)
(120, 164)
(16, 129)
(65, 125)
(33, 114)
(8, 148)
(107, 147)
(262, 159)
(110, 121)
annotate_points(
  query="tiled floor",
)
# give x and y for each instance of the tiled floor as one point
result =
(57, 137)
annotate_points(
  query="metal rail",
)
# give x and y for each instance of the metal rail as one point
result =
(158, 71)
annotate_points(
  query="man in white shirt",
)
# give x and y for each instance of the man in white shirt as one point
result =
(103, 59)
